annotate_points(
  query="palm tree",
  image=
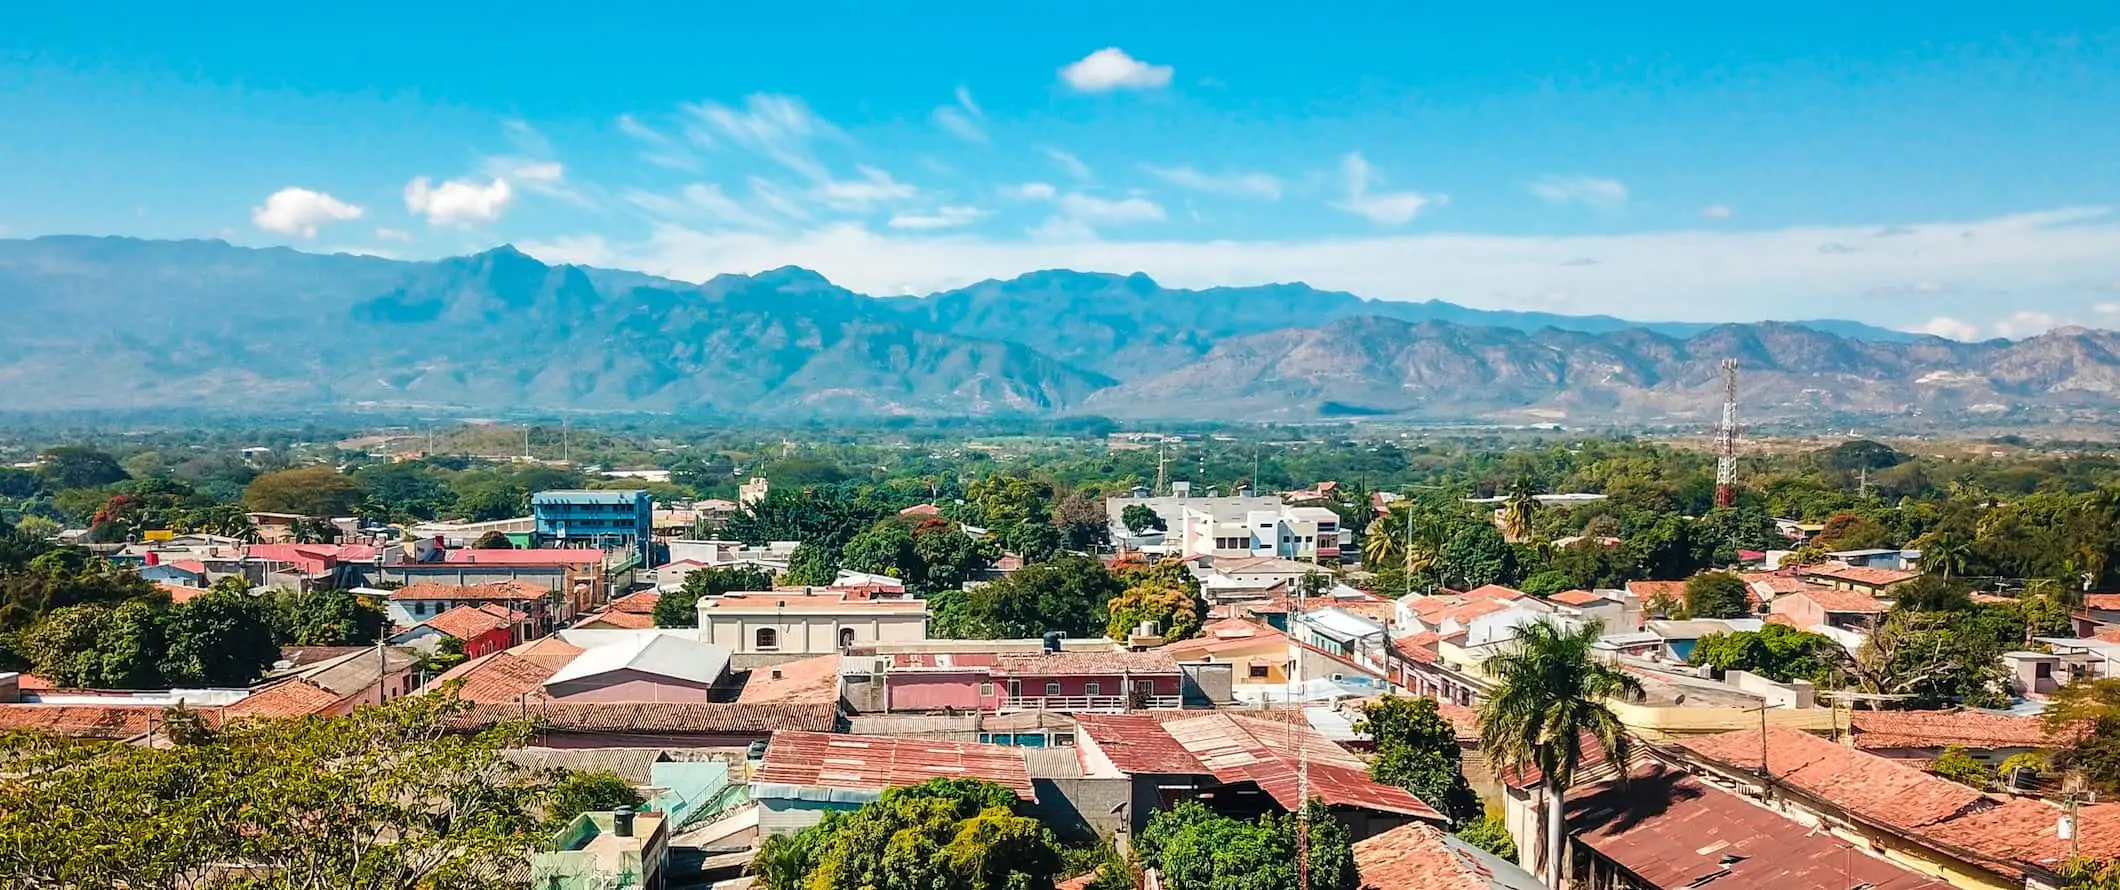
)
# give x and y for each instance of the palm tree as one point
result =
(1517, 510)
(1549, 694)
(1381, 545)
(1945, 553)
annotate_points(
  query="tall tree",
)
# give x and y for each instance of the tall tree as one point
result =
(811, 565)
(1716, 595)
(306, 491)
(1518, 509)
(219, 639)
(1416, 749)
(1550, 694)
(680, 607)
(1195, 848)
(78, 466)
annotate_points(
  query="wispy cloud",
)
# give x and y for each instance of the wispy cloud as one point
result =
(1110, 211)
(1589, 191)
(853, 195)
(657, 147)
(1382, 208)
(946, 217)
(1235, 183)
(1068, 162)
(1717, 211)
(963, 119)
(1110, 69)
(777, 126)
(299, 211)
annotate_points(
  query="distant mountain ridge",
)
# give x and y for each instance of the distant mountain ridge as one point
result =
(210, 324)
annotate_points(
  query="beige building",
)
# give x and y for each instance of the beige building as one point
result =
(808, 622)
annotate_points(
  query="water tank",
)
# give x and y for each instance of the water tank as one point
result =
(1052, 641)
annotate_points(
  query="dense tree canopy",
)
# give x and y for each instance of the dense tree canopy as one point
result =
(1069, 594)
(1196, 848)
(308, 491)
(1416, 749)
(943, 834)
(680, 607)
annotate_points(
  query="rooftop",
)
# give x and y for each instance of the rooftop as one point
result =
(290, 698)
(518, 591)
(1850, 601)
(1238, 748)
(635, 718)
(467, 622)
(547, 557)
(799, 760)
(1066, 663)
(1864, 575)
(813, 679)
(1577, 598)
(664, 655)
(1673, 830)
(828, 601)
(1937, 729)
(642, 603)
(351, 673)
(496, 678)
(1884, 791)
(1418, 857)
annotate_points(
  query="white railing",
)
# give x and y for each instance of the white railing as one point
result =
(1087, 702)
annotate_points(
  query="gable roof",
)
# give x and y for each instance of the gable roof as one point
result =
(1673, 830)
(1876, 788)
(633, 718)
(1237, 748)
(1577, 598)
(812, 679)
(1649, 590)
(1418, 857)
(642, 603)
(1065, 663)
(467, 622)
(616, 620)
(292, 698)
(663, 655)
(499, 677)
(1849, 601)
(498, 591)
(1867, 576)
(1960, 727)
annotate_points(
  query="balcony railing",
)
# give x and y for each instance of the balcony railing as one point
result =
(1091, 703)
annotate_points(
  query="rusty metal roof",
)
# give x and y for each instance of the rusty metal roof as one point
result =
(1237, 748)
(1672, 830)
(1138, 744)
(874, 763)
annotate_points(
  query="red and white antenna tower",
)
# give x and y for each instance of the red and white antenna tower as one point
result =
(1726, 434)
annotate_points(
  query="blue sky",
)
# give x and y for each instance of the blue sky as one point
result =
(1942, 166)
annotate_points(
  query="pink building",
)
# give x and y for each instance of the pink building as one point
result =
(1103, 681)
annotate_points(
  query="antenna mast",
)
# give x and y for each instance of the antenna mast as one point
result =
(1162, 465)
(1726, 439)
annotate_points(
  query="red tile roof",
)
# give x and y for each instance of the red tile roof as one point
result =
(81, 721)
(1863, 575)
(1235, 748)
(500, 677)
(1852, 601)
(1776, 582)
(1649, 590)
(874, 763)
(2108, 635)
(1876, 788)
(642, 603)
(642, 718)
(1080, 664)
(550, 653)
(2023, 830)
(813, 679)
(1494, 591)
(1673, 830)
(498, 591)
(1937, 729)
(2103, 602)
(613, 618)
(1576, 597)
(180, 594)
(1418, 857)
(190, 565)
(290, 698)
(467, 623)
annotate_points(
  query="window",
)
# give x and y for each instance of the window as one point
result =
(768, 638)
(986, 690)
(1015, 689)
(1258, 671)
(846, 638)
(1052, 687)
(1145, 687)
(1063, 740)
(1092, 689)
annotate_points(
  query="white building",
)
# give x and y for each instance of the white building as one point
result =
(1231, 527)
(808, 622)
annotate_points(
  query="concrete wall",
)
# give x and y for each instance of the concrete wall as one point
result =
(807, 633)
(1080, 809)
(470, 574)
(933, 691)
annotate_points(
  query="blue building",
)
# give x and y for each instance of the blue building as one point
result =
(606, 520)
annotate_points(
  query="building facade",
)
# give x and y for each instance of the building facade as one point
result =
(807, 623)
(605, 520)
(1232, 527)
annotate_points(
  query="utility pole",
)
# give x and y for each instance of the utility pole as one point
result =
(1162, 467)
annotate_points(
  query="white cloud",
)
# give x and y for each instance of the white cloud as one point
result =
(856, 195)
(458, 201)
(1949, 328)
(779, 127)
(775, 199)
(1073, 165)
(1590, 191)
(657, 147)
(1239, 184)
(1036, 191)
(947, 217)
(962, 119)
(1717, 211)
(703, 202)
(1110, 211)
(2025, 323)
(1111, 68)
(1382, 208)
(398, 235)
(299, 211)
(2039, 260)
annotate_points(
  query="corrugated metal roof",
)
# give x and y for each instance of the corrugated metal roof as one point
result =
(857, 763)
(1418, 857)
(1237, 748)
(653, 652)
(1672, 830)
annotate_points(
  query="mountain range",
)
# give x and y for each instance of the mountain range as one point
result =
(128, 323)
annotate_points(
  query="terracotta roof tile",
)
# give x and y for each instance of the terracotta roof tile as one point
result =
(1877, 788)
(499, 677)
(2103, 602)
(1864, 575)
(550, 653)
(1852, 601)
(1494, 591)
(1418, 857)
(1576, 597)
(1084, 664)
(1937, 729)
(81, 721)
(1673, 830)
(2023, 830)
(290, 698)
(659, 717)
(642, 603)
(814, 679)
(614, 618)
(466, 623)
(1242, 748)
(499, 591)
(1649, 590)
